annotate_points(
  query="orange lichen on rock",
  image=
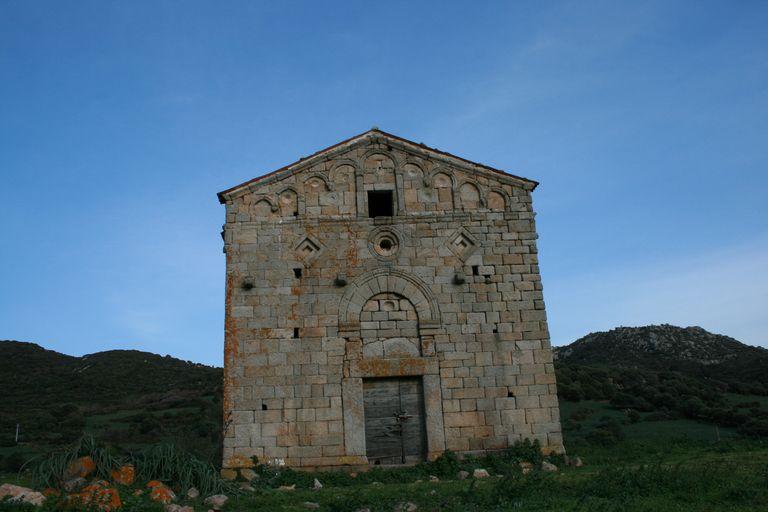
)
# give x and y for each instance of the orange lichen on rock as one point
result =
(160, 492)
(97, 495)
(81, 467)
(124, 475)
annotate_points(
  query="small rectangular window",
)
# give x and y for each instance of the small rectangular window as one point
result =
(475, 270)
(297, 273)
(295, 332)
(380, 203)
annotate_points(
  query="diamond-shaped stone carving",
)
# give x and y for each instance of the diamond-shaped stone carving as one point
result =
(463, 244)
(308, 249)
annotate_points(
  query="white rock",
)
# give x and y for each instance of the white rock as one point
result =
(217, 501)
(18, 494)
(193, 493)
(173, 507)
(317, 485)
(462, 475)
(311, 505)
(480, 473)
(548, 466)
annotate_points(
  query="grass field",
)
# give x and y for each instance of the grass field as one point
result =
(631, 476)
(674, 465)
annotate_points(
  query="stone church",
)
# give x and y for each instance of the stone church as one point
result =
(383, 305)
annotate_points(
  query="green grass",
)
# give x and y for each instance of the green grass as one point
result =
(635, 475)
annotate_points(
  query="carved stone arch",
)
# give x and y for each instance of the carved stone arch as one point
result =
(396, 177)
(490, 202)
(268, 199)
(317, 175)
(468, 185)
(262, 208)
(387, 280)
(284, 206)
(429, 179)
(340, 163)
(379, 151)
(418, 165)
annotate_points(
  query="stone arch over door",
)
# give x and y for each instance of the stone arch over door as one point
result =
(382, 285)
(387, 280)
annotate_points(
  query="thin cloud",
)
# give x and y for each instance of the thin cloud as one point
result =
(724, 292)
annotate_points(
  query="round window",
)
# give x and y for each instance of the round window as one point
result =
(384, 243)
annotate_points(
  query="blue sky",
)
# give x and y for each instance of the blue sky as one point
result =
(645, 122)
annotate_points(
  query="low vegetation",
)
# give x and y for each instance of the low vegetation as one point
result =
(662, 417)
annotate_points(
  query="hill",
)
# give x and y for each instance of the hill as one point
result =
(663, 373)
(689, 350)
(126, 397)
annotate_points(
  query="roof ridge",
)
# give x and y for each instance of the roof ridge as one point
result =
(222, 199)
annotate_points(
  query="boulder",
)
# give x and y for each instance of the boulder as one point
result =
(18, 494)
(248, 474)
(160, 492)
(317, 485)
(193, 493)
(291, 487)
(311, 505)
(74, 484)
(173, 507)
(217, 501)
(577, 462)
(244, 486)
(526, 467)
(433, 478)
(407, 506)
(548, 466)
(81, 467)
(229, 474)
(480, 473)
(462, 475)
(124, 475)
(97, 495)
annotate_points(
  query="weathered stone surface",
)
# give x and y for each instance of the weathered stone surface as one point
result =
(480, 473)
(18, 494)
(311, 505)
(193, 493)
(316, 485)
(160, 492)
(124, 475)
(98, 495)
(217, 501)
(74, 484)
(321, 296)
(548, 466)
(248, 474)
(173, 507)
(462, 475)
(81, 467)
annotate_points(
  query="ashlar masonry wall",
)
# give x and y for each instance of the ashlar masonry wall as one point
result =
(320, 297)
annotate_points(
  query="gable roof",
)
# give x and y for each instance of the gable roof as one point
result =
(348, 143)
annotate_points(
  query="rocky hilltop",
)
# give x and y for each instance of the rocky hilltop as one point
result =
(690, 350)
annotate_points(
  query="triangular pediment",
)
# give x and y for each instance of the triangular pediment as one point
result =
(376, 139)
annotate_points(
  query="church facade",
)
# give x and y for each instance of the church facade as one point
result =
(383, 305)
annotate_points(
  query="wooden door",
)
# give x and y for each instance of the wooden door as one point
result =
(394, 420)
